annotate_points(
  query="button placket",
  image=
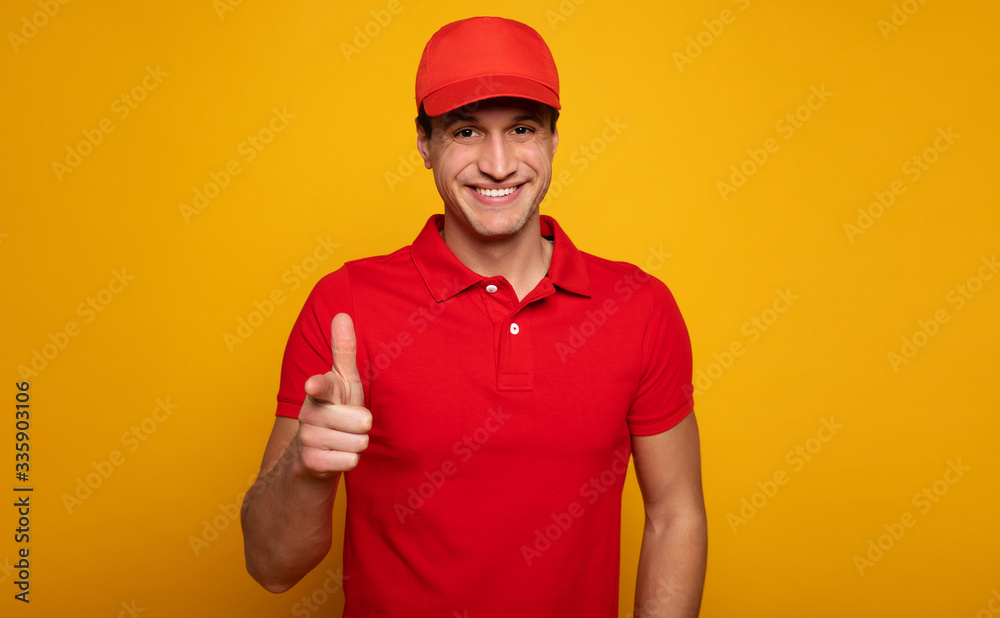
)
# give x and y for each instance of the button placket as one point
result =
(515, 356)
(497, 301)
(515, 371)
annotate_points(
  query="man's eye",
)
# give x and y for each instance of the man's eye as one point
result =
(466, 133)
(523, 130)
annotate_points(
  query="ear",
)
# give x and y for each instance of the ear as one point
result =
(555, 140)
(423, 146)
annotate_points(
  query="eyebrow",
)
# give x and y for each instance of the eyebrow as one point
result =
(453, 118)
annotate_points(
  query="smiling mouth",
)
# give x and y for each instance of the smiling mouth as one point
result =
(496, 192)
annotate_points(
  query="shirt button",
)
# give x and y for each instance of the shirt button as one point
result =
(491, 288)
(514, 329)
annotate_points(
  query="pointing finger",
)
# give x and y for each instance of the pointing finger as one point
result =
(344, 346)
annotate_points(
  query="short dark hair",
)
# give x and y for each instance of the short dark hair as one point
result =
(424, 121)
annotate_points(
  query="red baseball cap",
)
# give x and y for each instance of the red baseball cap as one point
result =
(484, 58)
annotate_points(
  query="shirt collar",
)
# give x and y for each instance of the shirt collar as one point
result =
(446, 276)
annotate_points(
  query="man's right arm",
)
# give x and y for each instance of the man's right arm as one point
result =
(286, 516)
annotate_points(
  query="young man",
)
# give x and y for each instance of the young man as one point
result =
(488, 385)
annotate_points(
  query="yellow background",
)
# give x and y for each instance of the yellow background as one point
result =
(680, 124)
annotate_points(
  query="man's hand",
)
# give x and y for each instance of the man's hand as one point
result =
(333, 422)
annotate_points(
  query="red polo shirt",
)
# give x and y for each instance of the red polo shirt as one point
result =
(491, 486)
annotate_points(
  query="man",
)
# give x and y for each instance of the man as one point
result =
(505, 379)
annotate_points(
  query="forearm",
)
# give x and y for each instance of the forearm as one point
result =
(287, 527)
(672, 562)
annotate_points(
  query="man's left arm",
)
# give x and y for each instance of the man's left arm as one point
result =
(674, 548)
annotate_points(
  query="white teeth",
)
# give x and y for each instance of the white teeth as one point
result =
(496, 192)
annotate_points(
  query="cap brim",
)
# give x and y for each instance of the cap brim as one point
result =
(478, 89)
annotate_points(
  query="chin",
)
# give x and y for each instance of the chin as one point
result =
(500, 226)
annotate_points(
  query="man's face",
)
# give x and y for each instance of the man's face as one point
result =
(492, 164)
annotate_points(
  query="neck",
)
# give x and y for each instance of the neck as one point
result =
(522, 259)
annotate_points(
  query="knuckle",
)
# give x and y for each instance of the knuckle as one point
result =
(308, 458)
(351, 461)
(306, 413)
(366, 420)
(306, 434)
(312, 412)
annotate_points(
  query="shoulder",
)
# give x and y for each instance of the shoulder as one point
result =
(643, 298)
(399, 261)
(626, 278)
(356, 276)
(357, 271)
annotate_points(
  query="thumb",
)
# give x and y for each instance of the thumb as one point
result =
(344, 345)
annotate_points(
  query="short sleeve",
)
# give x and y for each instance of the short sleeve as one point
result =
(664, 396)
(307, 352)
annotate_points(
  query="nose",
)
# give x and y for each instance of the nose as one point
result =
(497, 158)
